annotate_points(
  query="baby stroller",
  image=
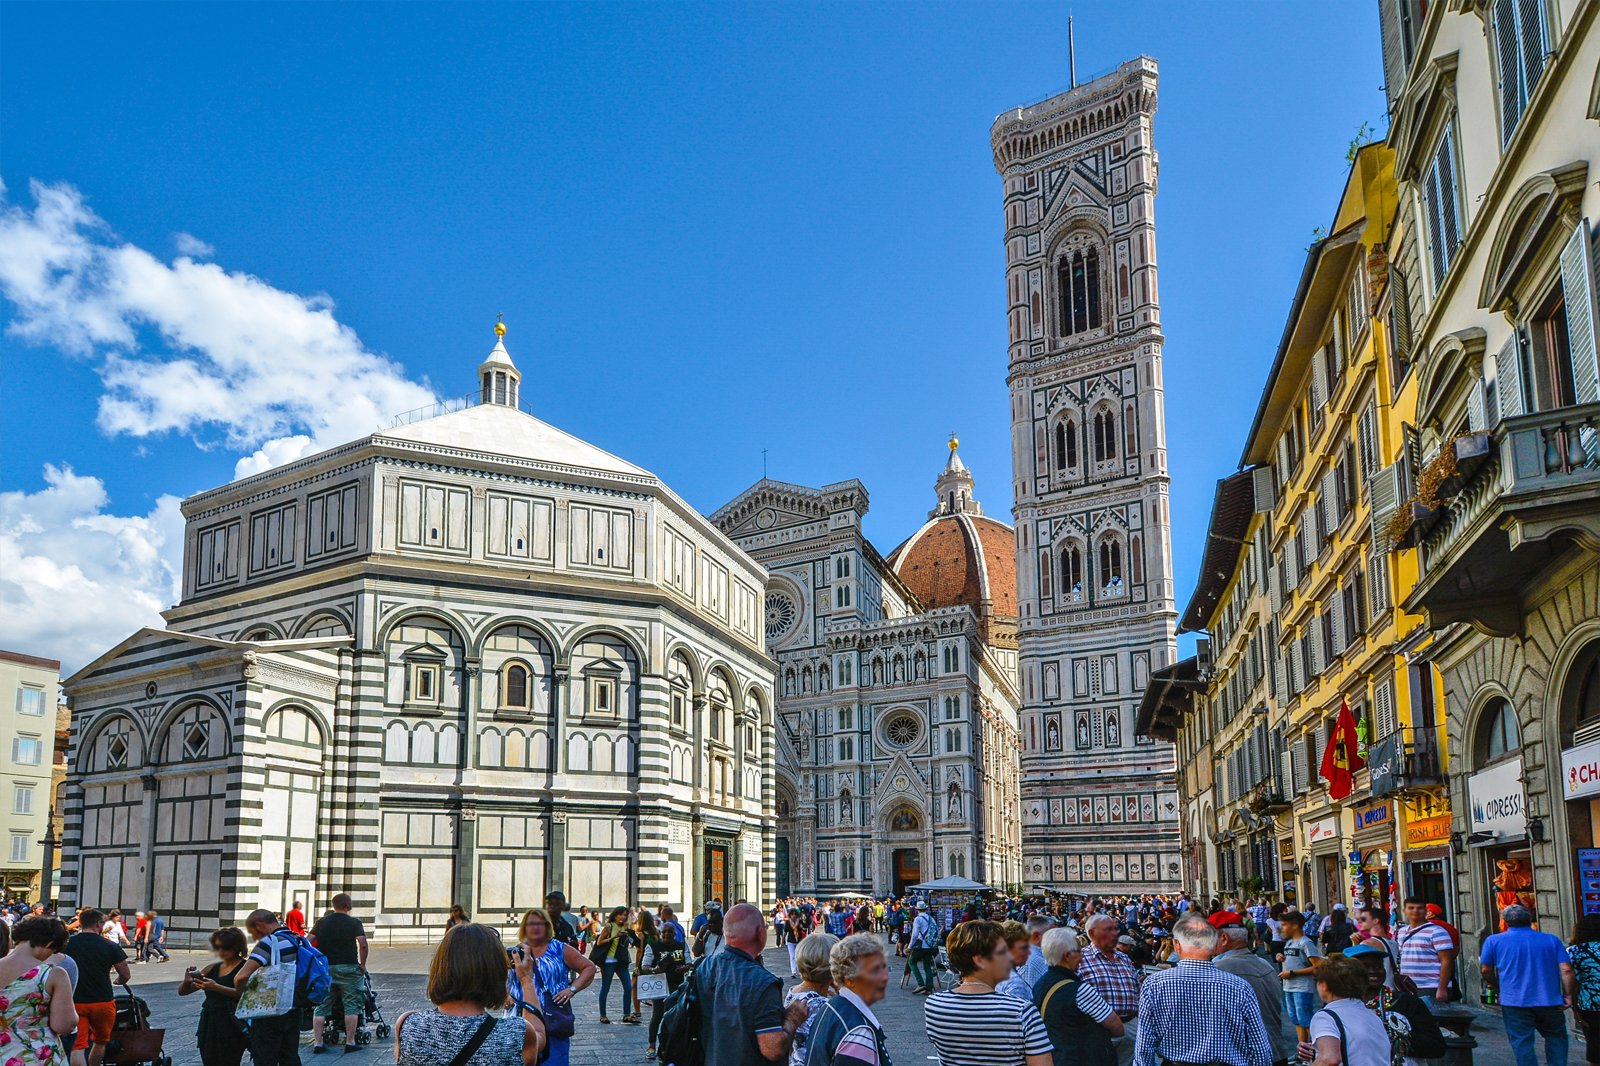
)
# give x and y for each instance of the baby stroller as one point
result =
(368, 1014)
(132, 1039)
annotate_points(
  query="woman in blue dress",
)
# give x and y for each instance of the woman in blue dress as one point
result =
(557, 963)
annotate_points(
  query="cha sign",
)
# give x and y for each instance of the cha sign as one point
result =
(1580, 771)
(1498, 808)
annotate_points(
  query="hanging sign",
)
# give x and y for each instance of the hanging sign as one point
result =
(1374, 814)
(1580, 770)
(1498, 808)
(1426, 832)
(1323, 829)
(1385, 761)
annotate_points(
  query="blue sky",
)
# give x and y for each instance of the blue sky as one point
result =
(713, 229)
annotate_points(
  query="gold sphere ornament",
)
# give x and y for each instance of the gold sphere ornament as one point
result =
(954, 443)
(499, 329)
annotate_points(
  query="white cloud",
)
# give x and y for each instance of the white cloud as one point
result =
(189, 347)
(75, 579)
(193, 247)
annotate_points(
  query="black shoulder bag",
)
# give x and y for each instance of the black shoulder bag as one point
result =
(472, 1046)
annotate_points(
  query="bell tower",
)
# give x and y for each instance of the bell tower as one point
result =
(1094, 562)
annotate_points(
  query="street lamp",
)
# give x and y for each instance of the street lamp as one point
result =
(48, 866)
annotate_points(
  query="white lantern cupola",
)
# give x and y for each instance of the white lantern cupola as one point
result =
(499, 380)
(954, 487)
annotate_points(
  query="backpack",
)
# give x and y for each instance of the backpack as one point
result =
(312, 978)
(679, 1043)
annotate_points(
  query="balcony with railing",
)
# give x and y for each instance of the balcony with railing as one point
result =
(1508, 504)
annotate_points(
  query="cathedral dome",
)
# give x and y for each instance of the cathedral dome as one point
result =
(960, 556)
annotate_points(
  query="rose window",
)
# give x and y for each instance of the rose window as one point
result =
(902, 730)
(781, 615)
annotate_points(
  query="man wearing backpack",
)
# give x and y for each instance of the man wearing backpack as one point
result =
(275, 1039)
(742, 1018)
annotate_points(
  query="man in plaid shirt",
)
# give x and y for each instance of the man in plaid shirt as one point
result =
(1197, 1014)
(1115, 978)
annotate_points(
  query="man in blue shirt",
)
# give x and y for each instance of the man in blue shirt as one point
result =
(742, 1018)
(1533, 974)
(701, 918)
(1196, 1013)
(155, 937)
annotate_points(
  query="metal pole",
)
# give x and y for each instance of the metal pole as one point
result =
(1072, 55)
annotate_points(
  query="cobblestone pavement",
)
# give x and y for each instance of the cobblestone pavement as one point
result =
(399, 975)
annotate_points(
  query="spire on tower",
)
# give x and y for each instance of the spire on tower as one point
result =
(954, 487)
(499, 380)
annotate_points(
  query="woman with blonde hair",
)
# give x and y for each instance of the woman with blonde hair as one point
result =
(811, 960)
(466, 981)
(553, 961)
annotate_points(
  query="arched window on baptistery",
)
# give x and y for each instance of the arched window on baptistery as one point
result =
(1078, 282)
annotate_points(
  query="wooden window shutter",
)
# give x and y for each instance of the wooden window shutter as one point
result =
(1336, 619)
(1383, 698)
(1384, 493)
(1508, 391)
(1577, 283)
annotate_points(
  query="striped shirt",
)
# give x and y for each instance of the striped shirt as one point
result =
(288, 948)
(1419, 953)
(984, 1030)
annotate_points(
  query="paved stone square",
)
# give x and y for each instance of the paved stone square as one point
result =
(399, 975)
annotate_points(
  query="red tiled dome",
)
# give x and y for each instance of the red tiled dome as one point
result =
(961, 558)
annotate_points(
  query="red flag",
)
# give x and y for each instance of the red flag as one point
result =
(1341, 759)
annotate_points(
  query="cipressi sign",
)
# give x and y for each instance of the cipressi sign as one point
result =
(1498, 807)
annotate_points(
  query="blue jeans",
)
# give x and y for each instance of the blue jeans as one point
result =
(1521, 1025)
(619, 969)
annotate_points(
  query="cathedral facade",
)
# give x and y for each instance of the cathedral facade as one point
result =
(460, 661)
(896, 752)
(1094, 562)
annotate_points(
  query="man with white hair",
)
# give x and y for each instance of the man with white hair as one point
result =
(1234, 956)
(1115, 977)
(1195, 1013)
(1024, 977)
(1080, 1022)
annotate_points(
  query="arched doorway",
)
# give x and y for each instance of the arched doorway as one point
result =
(1580, 772)
(781, 851)
(904, 828)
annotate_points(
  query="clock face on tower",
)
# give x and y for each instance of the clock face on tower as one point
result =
(781, 615)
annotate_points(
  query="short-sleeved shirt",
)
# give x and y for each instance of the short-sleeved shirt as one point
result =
(1528, 964)
(988, 1029)
(1366, 1042)
(1419, 952)
(1297, 955)
(288, 948)
(740, 999)
(336, 934)
(95, 956)
(814, 1002)
(1114, 975)
(1087, 999)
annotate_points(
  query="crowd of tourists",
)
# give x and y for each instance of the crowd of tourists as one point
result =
(1029, 981)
